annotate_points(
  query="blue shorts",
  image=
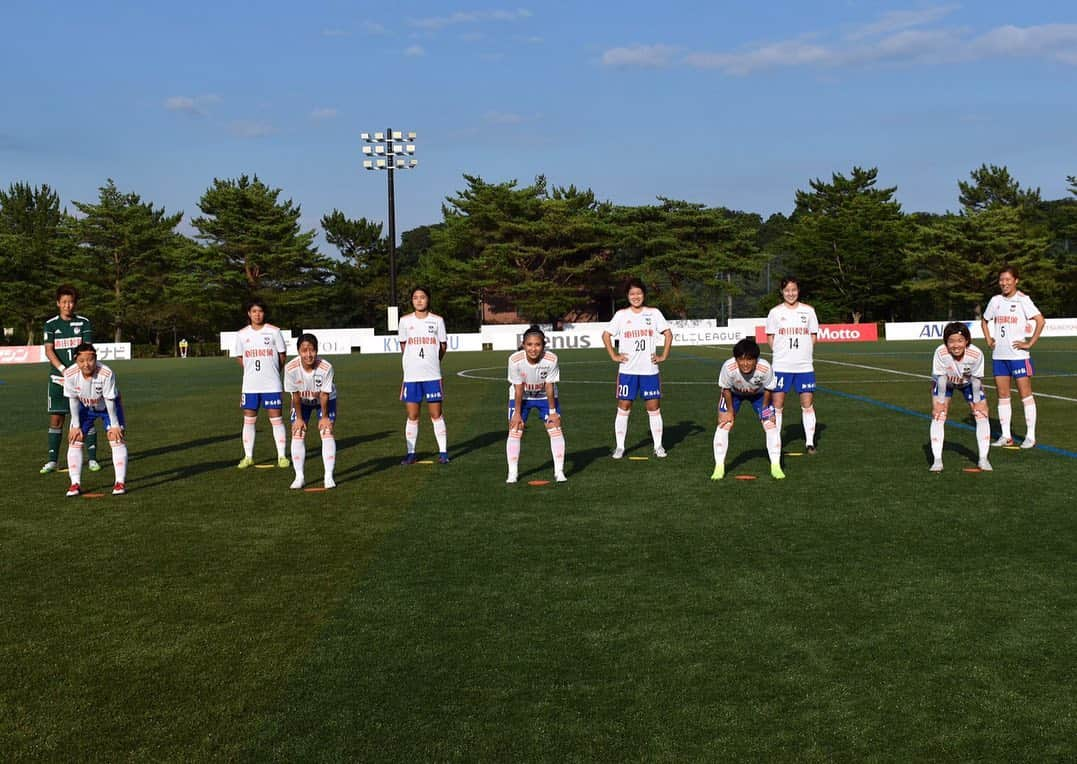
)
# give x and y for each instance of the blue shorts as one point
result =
(795, 382)
(756, 401)
(306, 409)
(541, 406)
(1017, 369)
(251, 401)
(966, 390)
(87, 417)
(645, 386)
(417, 392)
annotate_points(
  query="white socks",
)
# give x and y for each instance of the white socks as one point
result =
(557, 449)
(280, 436)
(774, 443)
(620, 427)
(1030, 417)
(938, 427)
(440, 434)
(721, 444)
(248, 436)
(1005, 414)
(74, 462)
(655, 420)
(808, 416)
(411, 434)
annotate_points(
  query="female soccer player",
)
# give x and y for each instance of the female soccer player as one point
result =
(958, 364)
(533, 378)
(1010, 339)
(423, 341)
(260, 350)
(745, 377)
(93, 394)
(638, 327)
(792, 331)
(309, 379)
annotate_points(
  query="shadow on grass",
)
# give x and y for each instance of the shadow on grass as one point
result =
(795, 432)
(746, 456)
(138, 454)
(954, 448)
(374, 466)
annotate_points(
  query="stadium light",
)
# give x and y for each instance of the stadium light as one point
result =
(398, 152)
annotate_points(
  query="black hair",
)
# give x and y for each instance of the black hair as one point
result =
(68, 290)
(307, 337)
(956, 327)
(787, 280)
(1010, 269)
(746, 348)
(635, 284)
(254, 302)
(85, 347)
(533, 329)
(423, 289)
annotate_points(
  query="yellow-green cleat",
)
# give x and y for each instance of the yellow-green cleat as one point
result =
(282, 462)
(244, 463)
(719, 472)
(776, 472)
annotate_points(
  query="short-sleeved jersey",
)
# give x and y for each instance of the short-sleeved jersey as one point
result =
(794, 329)
(309, 384)
(91, 392)
(260, 350)
(420, 340)
(65, 336)
(958, 372)
(640, 335)
(730, 378)
(533, 376)
(1010, 322)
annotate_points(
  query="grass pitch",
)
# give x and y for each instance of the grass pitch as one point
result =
(862, 609)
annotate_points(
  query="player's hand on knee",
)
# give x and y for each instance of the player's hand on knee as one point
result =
(325, 427)
(74, 435)
(115, 435)
(299, 430)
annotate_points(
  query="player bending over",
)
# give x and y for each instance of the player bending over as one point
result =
(745, 377)
(533, 378)
(310, 381)
(958, 365)
(92, 393)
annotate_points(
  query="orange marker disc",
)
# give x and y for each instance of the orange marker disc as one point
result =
(973, 469)
(314, 490)
(745, 477)
(91, 495)
(538, 482)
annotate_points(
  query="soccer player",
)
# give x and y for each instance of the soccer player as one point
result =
(958, 364)
(792, 331)
(423, 341)
(260, 350)
(310, 381)
(533, 378)
(637, 328)
(92, 394)
(1010, 335)
(746, 377)
(62, 334)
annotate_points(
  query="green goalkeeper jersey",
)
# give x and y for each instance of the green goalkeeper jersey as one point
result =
(65, 336)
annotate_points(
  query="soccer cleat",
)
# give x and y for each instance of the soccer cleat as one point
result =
(244, 463)
(409, 459)
(94, 466)
(618, 453)
(660, 453)
(937, 466)
(119, 489)
(810, 448)
(719, 472)
(443, 458)
(49, 467)
(984, 465)
(74, 490)
(776, 472)
(1028, 443)
(296, 484)
(560, 477)
(283, 463)
(1003, 441)
(329, 483)
(511, 478)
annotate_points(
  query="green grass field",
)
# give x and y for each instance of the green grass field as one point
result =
(864, 609)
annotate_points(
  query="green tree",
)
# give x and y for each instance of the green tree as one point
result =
(847, 240)
(124, 247)
(261, 242)
(32, 243)
(993, 186)
(361, 278)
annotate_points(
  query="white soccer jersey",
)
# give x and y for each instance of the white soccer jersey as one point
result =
(309, 384)
(1010, 322)
(420, 339)
(795, 330)
(730, 378)
(640, 336)
(958, 372)
(260, 350)
(533, 376)
(91, 392)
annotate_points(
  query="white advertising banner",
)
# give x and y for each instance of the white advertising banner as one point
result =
(932, 330)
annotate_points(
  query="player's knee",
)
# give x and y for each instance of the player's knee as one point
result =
(807, 409)
(727, 426)
(938, 413)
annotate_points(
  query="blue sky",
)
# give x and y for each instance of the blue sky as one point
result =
(732, 104)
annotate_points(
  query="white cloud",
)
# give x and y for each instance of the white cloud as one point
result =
(896, 21)
(775, 55)
(249, 129)
(1057, 41)
(373, 27)
(639, 55)
(434, 23)
(414, 51)
(196, 106)
(320, 115)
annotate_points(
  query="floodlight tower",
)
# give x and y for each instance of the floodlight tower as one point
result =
(389, 151)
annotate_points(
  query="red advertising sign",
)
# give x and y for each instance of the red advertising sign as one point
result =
(22, 354)
(835, 333)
